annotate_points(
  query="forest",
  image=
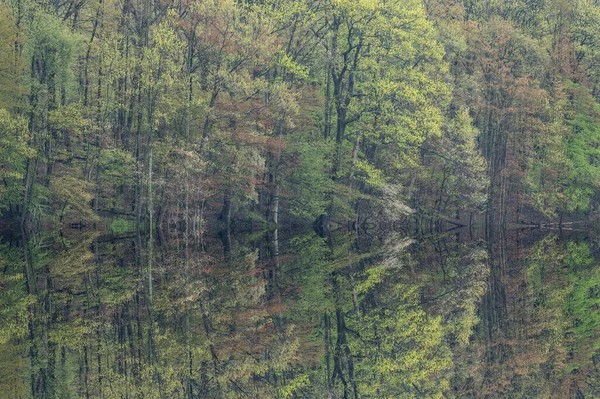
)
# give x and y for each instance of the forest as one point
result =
(292, 199)
(192, 114)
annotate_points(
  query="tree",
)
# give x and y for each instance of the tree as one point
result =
(14, 154)
(12, 63)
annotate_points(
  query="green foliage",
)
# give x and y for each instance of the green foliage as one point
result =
(401, 346)
(14, 152)
(370, 175)
(582, 148)
(581, 303)
(333, 109)
(311, 273)
(454, 172)
(311, 188)
(115, 166)
(12, 62)
(13, 296)
(72, 194)
(51, 48)
(566, 173)
(120, 226)
(69, 119)
(330, 106)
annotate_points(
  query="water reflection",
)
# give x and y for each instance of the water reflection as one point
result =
(272, 315)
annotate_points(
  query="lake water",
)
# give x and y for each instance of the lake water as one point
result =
(459, 314)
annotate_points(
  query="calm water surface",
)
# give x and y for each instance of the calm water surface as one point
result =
(282, 315)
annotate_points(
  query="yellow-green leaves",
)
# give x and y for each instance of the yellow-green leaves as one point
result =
(73, 194)
(160, 65)
(51, 48)
(14, 152)
(12, 62)
(401, 347)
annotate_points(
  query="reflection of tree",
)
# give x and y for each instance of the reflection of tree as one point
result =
(338, 317)
(385, 332)
(14, 311)
(450, 271)
(510, 353)
(263, 318)
(538, 332)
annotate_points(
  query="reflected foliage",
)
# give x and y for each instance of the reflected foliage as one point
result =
(344, 316)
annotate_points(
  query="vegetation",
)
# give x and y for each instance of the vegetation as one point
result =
(266, 317)
(174, 115)
(173, 118)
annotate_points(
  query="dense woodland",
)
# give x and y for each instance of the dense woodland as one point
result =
(309, 317)
(181, 113)
(176, 119)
